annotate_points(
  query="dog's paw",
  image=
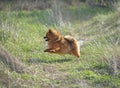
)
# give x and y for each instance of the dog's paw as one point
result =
(49, 50)
(52, 51)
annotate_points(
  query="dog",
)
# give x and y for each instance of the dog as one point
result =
(61, 44)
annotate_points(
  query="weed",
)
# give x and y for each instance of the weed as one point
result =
(21, 32)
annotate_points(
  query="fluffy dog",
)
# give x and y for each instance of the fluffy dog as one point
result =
(61, 44)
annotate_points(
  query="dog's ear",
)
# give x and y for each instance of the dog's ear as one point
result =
(50, 30)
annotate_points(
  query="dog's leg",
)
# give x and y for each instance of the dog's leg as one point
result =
(52, 50)
(49, 50)
(76, 53)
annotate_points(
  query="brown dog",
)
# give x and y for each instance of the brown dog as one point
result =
(61, 45)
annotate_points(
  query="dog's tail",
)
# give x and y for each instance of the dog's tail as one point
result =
(72, 41)
(69, 38)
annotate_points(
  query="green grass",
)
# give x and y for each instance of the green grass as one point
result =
(22, 32)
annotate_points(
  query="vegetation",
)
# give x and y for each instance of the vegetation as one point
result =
(22, 32)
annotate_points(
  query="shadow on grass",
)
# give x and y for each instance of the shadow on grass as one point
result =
(40, 60)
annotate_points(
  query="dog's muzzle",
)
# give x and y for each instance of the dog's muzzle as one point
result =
(46, 38)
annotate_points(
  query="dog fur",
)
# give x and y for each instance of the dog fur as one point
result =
(61, 44)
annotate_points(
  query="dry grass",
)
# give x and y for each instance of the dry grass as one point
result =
(23, 31)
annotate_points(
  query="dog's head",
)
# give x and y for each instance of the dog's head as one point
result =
(52, 35)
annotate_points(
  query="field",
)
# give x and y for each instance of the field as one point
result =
(22, 32)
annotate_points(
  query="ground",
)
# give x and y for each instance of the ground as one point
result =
(22, 32)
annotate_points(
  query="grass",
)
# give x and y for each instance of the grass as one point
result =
(22, 32)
